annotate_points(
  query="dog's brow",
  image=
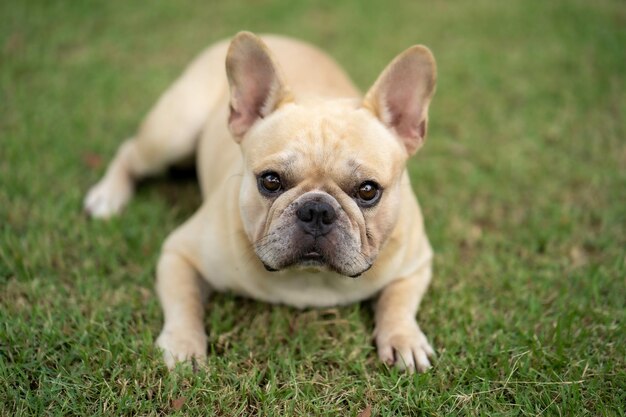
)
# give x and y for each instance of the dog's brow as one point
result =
(358, 169)
(354, 165)
(285, 162)
(287, 168)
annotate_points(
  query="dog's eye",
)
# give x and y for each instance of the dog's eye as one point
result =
(368, 193)
(269, 183)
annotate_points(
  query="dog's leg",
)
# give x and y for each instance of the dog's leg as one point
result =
(167, 135)
(182, 294)
(399, 339)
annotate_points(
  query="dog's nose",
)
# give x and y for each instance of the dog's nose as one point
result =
(316, 217)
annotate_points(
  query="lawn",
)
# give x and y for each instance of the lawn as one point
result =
(522, 182)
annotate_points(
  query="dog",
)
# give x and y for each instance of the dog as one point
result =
(306, 197)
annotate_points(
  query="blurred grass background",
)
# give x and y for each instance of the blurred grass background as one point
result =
(522, 182)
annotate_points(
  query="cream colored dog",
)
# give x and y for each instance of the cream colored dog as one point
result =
(304, 187)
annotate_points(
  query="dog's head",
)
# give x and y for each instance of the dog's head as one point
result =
(321, 180)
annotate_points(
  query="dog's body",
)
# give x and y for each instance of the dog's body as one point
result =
(304, 186)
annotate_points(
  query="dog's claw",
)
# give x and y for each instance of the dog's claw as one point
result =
(180, 347)
(406, 347)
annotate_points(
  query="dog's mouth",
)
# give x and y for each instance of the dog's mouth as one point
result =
(313, 260)
(313, 256)
(310, 258)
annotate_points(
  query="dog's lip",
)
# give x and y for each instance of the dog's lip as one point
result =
(269, 268)
(312, 257)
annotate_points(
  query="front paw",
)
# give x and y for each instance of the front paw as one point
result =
(404, 345)
(180, 345)
(109, 196)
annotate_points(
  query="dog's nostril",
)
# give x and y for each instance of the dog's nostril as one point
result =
(317, 213)
(328, 216)
(305, 213)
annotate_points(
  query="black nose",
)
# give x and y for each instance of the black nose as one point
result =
(316, 218)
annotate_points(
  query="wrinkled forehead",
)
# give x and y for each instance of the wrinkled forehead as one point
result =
(343, 144)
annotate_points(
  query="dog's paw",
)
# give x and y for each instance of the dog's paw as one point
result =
(404, 345)
(179, 346)
(108, 197)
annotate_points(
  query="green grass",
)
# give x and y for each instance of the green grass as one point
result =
(522, 182)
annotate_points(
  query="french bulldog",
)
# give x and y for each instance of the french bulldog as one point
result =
(306, 197)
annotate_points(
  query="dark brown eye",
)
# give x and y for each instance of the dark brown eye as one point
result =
(269, 183)
(368, 193)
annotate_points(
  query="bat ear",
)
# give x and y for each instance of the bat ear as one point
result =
(256, 85)
(400, 96)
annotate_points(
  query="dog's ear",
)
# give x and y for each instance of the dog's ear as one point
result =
(401, 95)
(256, 85)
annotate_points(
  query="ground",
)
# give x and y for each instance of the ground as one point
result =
(522, 181)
